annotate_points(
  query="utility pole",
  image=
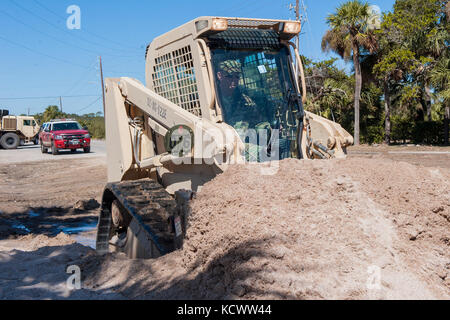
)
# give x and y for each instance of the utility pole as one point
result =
(60, 103)
(103, 84)
(297, 17)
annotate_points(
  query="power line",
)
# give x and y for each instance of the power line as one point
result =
(91, 104)
(81, 79)
(58, 28)
(91, 33)
(55, 38)
(49, 97)
(43, 54)
(51, 103)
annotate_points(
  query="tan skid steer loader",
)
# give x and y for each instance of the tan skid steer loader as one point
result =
(219, 91)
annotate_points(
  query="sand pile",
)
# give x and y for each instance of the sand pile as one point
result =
(34, 267)
(40, 241)
(341, 229)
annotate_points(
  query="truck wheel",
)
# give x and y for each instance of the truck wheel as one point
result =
(43, 149)
(87, 150)
(54, 150)
(10, 141)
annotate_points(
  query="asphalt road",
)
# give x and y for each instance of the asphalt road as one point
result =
(31, 153)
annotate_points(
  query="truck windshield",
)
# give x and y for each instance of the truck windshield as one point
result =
(255, 90)
(66, 126)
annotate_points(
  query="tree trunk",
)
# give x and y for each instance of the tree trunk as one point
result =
(358, 86)
(387, 110)
(420, 114)
(446, 124)
(428, 101)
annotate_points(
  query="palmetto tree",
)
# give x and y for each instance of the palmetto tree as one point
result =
(440, 79)
(351, 33)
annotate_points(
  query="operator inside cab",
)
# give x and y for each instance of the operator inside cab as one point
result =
(240, 109)
(256, 92)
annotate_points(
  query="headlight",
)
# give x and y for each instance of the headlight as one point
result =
(201, 25)
(292, 27)
(59, 137)
(219, 24)
(87, 136)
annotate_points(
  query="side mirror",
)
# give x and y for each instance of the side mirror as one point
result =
(85, 128)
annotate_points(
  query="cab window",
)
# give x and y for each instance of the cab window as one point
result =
(27, 122)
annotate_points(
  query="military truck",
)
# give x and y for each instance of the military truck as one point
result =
(17, 130)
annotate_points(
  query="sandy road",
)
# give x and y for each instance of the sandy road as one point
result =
(31, 153)
(41, 232)
(426, 156)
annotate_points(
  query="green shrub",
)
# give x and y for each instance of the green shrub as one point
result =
(401, 129)
(374, 134)
(421, 132)
(428, 132)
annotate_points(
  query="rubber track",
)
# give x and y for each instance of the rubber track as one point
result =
(150, 204)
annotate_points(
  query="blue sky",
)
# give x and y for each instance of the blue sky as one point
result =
(41, 59)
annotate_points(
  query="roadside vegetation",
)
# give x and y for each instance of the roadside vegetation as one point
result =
(95, 122)
(398, 90)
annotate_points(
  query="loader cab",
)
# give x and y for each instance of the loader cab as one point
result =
(259, 93)
(256, 91)
(261, 75)
(255, 85)
(234, 71)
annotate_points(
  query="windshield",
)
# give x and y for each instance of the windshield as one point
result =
(66, 126)
(256, 91)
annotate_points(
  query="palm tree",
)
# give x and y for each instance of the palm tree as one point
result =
(52, 112)
(351, 33)
(440, 79)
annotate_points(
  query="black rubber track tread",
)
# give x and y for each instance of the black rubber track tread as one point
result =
(153, 206)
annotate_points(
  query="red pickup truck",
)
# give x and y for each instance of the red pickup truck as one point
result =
(64, 135)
